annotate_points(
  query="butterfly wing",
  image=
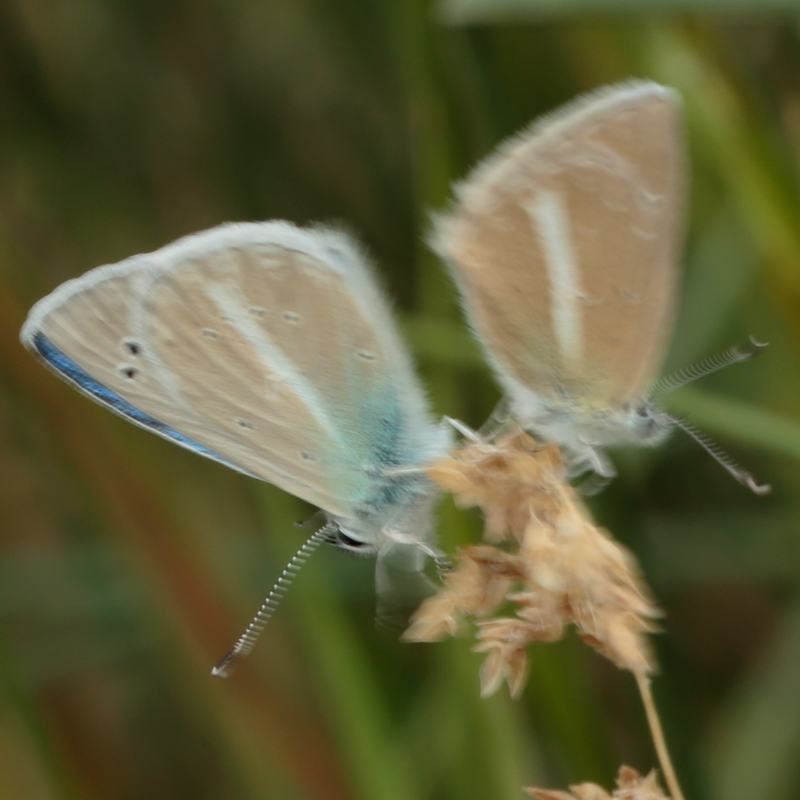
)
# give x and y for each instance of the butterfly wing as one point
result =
(564, 244)
(261, 345)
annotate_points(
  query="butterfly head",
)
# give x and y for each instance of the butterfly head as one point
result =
(642, 423)
(583, 435)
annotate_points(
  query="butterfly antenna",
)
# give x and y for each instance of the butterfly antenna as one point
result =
(248, 639)
(722, 458)
(733, 355)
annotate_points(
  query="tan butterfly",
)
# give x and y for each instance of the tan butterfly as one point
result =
(271, 349)
(565, 245)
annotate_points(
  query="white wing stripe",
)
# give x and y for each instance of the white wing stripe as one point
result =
(551, 221)
(272, 356)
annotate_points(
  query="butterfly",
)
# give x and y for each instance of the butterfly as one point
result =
(565, 245)
(271, 349)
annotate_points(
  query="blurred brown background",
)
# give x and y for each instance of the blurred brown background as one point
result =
(128, 566)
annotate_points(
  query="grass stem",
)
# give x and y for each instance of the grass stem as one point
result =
(657, 732)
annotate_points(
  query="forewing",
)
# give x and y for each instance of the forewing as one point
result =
(564, 244)
(234, 343)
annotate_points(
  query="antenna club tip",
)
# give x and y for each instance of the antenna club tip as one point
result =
(756, 347)
(226, 665)
(760, 489)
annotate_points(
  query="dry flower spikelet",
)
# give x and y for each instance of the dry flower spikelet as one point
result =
(630, 786)
(561, 569)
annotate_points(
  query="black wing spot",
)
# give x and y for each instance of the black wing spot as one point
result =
(128, 371)
(306, 456)
(132, 347)
(245, 423)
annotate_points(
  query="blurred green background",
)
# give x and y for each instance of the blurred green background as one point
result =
(129, 566)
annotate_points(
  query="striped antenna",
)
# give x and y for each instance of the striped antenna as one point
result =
(247, 640)
(722, 458)
(733, 355)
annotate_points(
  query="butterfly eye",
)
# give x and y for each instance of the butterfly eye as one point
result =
(343, 540)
